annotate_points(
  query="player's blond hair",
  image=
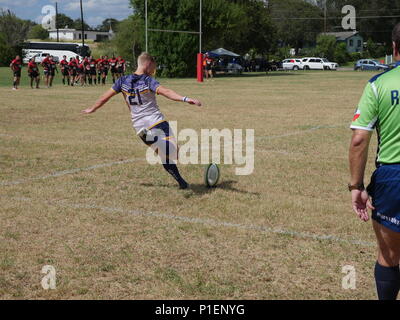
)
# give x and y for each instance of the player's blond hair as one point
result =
(145, 57)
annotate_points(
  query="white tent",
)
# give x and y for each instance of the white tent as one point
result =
(224, 52)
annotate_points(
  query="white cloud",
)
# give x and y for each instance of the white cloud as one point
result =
(95, 11)
(18, 3)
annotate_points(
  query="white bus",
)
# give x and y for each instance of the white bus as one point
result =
(56, 49)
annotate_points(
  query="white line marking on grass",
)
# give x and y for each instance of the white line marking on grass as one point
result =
(7, 135)
(213, 223)
(66, 172)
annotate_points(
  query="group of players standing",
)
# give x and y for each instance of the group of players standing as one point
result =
(74, 71)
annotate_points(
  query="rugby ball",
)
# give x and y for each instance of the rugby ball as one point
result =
(211, 175)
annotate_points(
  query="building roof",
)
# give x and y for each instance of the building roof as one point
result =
(342, 36)
(74, 30)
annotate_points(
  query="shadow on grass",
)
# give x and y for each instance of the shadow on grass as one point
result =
(201, 189)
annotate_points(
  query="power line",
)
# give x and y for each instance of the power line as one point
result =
(335, 18)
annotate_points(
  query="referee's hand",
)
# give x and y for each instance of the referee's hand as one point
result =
(361, 203)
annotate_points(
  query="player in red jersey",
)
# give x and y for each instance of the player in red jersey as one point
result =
(72, 70)
(52, 70)
(64, 69)
(93, 67)
(46, 70)
(81, 73)
(113, 67)
(33, 72)
(78, 70)
(99, 68)
(104, 69)
(86, 68)
(121, 67)
(15, 66)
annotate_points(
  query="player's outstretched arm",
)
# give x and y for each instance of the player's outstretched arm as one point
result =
(172, 95)
(101, 101)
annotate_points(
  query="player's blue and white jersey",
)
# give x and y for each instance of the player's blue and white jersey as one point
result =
(140, 94)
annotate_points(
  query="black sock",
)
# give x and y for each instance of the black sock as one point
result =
(90, 81)
(95, 82)
(172, 169)
(15, 84)
(387, 282)
(64, 82)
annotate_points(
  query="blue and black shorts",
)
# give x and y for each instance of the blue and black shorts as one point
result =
(161, 131)
(161, 138)
(384, 190)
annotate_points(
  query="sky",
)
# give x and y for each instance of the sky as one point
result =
(95, 11)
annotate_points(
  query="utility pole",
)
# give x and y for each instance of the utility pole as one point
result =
(325, 16)
(200, 34)
(83, 26)
(58, 37)
(145, 14)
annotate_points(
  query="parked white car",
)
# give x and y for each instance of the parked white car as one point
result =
(39, 57)
(292, 64)
(318, 64)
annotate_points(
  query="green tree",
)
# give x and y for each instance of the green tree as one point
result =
(377, 22)
(64, 21)
(7, 52)
(237, 25)
(341, 54)
(13, 29)
(129, 38)
(13, 33)
(298, 22)
(38, 32)
(326, 46)
(78, 25)
(105, 25)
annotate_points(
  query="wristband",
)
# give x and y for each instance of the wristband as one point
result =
(185, 99)
(359, 187)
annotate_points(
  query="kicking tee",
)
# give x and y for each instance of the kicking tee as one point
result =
(379, 109)
(139, 92)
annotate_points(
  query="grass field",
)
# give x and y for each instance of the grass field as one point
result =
(75, 193)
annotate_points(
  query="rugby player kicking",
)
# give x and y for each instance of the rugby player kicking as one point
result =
(139, 91)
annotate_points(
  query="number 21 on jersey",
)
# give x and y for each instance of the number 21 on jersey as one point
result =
(135, 99)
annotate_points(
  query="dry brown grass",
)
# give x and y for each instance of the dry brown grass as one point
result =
(299, 184)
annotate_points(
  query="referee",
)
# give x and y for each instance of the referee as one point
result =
(379, 109)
